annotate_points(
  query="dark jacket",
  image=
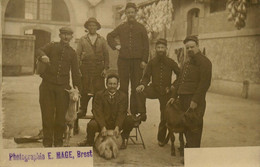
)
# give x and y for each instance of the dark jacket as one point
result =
(195, 77)
(63, 58)
(107, 112)
(93, 59)
(160, 69)
(133, 39)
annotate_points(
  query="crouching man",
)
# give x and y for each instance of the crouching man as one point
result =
(160, 70)
(110, 112)
(60, 59)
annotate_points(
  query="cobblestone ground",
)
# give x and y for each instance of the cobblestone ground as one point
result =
(228, 121)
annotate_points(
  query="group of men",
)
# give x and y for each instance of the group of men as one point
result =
(89, 65)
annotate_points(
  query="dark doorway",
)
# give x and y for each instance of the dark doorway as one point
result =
(42, 38)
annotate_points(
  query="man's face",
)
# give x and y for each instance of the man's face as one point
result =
(65, 37)
(160, 50)
(92, 28)
(191, 48)
(130, 14)
(112, 85)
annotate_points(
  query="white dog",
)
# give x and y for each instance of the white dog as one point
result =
(109, 145)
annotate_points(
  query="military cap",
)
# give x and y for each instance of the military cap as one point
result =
(191, 38)
(161, 41)
(131, 5)
(92, 20)
(66, 30)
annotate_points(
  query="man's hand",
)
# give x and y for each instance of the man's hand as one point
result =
(171, 100)
(104, 131)
(140, 88)
(143, 64)
(116, 131)
(193, 105)
(104, 72)
(118, 47)
(45, 59)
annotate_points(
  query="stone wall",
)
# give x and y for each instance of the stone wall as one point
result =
(17, 54)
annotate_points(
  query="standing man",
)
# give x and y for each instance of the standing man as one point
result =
(94, 62)
(192, 87)
(133, 53)
(110, 112)
(160, 69)
(60, 59)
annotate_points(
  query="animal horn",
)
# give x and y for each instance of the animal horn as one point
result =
(76, 87)
(67, 90)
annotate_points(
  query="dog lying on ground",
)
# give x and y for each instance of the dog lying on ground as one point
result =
(108, 146)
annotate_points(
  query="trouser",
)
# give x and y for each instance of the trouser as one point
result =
(193, 134)
(90, 85)
(54, 101)
(129, 69)
(93, 127)
(151, 93)
(84, 100)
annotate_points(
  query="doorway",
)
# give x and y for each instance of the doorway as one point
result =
(41, 38)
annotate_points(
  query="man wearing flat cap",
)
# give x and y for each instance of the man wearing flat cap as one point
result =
(93, 58)
(60, 59)
(192, 86)
(160, 70)
(133, 53)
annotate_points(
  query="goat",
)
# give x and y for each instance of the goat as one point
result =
(71, 114)
(175, 124)
(109, 145)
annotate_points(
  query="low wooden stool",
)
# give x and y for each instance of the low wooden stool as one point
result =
(134, 138)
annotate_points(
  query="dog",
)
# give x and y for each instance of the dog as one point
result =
(108, 146)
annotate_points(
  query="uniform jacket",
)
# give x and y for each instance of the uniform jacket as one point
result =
(133, 39)
(160, 69)
(93, 59)
(195, 77)
(63, 58)
(108, 112)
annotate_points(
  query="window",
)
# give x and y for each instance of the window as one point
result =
(217, 5)
(45, 9)
(15, 9)
(31, 9)
(55, 10)
(193, 22)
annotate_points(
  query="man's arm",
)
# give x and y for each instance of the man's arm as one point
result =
(145, 45)
(111, 38)
(79, 51)
(147, 75)
(98, 110)
(205, 80)
(76, 76)
(44, 51)
(176, 70)
(106, 54)
(122, 112)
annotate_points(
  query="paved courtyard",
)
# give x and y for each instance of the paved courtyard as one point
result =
(228, 122)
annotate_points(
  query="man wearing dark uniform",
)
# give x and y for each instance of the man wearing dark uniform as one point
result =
(133, 53)
(110, 112)
(160, 69)
(60, 59)
(192, 86)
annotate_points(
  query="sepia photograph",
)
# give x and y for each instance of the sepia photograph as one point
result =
(130, 82)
